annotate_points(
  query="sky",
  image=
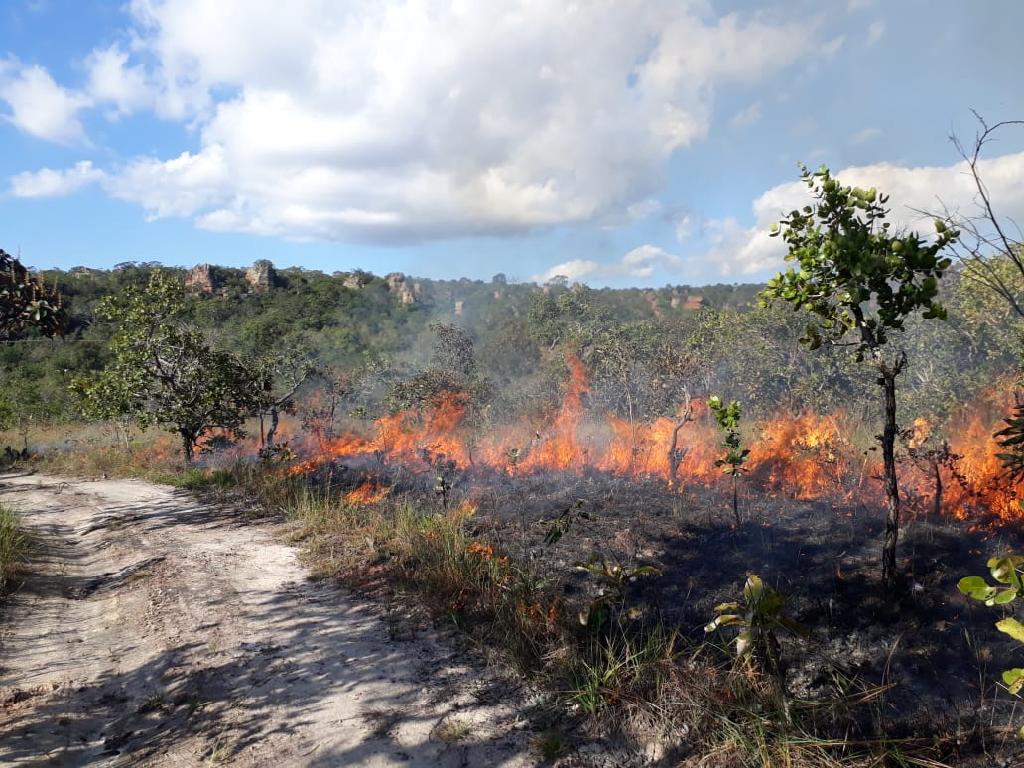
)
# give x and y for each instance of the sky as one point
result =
(615, 142)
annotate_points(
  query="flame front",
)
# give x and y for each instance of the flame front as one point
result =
(806, 456)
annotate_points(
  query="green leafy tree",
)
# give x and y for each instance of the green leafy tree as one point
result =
(860, 282)
(163, 372)
(27, 303)
(727, 416)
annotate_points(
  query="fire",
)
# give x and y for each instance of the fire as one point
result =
(560, 448)
(365, 494)
(806, 456)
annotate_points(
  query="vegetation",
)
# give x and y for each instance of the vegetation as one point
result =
(728, 419)
(860, 282)
(14, 546)
(165, 373)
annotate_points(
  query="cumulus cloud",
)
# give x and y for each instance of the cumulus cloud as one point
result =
(37, 105)
(743, 250)
(112, 80)
(412, 119)
(48, 182)
(640, 263)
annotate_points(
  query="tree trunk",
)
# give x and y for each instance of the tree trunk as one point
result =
(188, 445)
(735, 501)
(937, 502)
(892, 493)
(275, 419)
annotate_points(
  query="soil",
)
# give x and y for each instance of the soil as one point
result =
(155, 630)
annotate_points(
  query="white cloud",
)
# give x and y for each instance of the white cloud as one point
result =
(858, 5)
(39, 106)
(740, 250)
(685, 226)
(875, 32)
(112, 80)
(747, 116)
(865, 135)
(48, 182)
(640, 263)
(412, 119)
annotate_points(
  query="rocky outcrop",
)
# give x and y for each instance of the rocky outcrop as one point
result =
(260, 276)
(406, 292)
(202, 279)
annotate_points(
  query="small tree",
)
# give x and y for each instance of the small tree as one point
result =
(164, 372)
(728, 419)
(278, 377)
(859, 282)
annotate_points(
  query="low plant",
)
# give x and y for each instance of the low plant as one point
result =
(757, 619)
(613, 579)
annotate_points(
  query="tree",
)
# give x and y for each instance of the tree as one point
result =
(164, 372)
(278, 377)
(860, 282)
(26, 302)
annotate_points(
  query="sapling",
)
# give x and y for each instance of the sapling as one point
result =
(728, 420)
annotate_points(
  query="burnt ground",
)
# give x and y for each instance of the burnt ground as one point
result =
(936, 652)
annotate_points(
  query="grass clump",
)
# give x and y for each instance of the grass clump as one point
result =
(14, 546)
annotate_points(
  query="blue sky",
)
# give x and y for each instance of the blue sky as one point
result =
(635, 143)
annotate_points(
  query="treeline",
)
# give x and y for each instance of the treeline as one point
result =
(641, 348)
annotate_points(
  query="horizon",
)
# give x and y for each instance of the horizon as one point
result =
(648, 144)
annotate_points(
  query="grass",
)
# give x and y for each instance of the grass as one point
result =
(14, 547)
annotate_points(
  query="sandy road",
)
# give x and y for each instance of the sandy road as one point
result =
(155, 631)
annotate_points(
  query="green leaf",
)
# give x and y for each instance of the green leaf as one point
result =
(1014, 679)
(1011, 627)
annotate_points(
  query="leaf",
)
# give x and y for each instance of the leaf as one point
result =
(976, 587)
(726, 620)
(1011, 627)
(744, 643)
(1014, 679)
(753, 589)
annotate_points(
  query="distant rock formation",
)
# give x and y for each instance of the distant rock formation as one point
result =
(695, 301)
(458, 308)
(399, 285)
(201, 279)
(261, 276)
(353, 280)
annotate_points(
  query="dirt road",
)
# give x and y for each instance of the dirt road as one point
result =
(156, 631)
